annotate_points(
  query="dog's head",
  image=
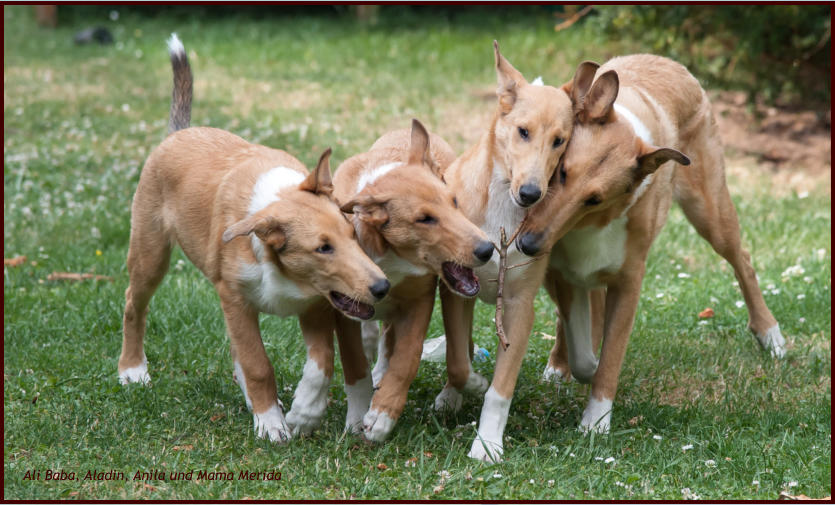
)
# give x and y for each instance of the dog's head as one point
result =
(604, 166)
(309, 240)
(532, 129)
(414, 214)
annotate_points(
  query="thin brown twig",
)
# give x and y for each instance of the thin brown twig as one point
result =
(573, 19)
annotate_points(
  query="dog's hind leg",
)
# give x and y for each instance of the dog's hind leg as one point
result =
(702, 192)
(558, 370)
(148, 258)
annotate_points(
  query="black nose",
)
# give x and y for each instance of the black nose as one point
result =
(529, 243)
(379, 288)
(529, 194)
(484, 251)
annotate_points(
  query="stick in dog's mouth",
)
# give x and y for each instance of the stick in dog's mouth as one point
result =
(351, 307)
(461, 279)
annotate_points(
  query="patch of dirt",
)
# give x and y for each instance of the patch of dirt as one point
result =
(793, 147)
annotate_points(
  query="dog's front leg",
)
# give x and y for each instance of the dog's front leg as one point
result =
(311, 397)
(458, 325)
(621, 303)
(390, 397)
(358, 387)
(518, 321)
(253, 369)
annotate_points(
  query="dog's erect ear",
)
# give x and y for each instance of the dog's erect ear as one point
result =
(319, 180)
(266, 228)
(510, 80)
(598, 102)
(578, 88)
(651, 157)
(419, 149)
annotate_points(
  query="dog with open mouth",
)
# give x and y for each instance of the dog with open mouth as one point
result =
(265, 232)
(408, 221)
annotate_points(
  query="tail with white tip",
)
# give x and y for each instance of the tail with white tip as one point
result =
(180, 114)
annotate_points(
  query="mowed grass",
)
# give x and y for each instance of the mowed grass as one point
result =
(79, 122)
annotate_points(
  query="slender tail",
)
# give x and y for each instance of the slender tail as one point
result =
(180, 115)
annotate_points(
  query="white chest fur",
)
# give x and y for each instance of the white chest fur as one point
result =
(271, 292)
(501, 213)
(586, 252)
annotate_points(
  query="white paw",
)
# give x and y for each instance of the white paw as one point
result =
(310, 400)
(302, 423)
(449, 399)
(489, 451)
(271, 425)
(377, 425)
(597, 417)
(773, 341)
(137, 373)
(476, 384)
(552, 376)
(359, 398)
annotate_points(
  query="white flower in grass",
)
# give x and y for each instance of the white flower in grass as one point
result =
(550, 482)
(775, 291)
(792, 271)
(802, 195)
(659, 295)
(801, 296)
(683, 275)
(598, 458)
(689, 495)
(686, 447)
(444, 475)
(820, 254)
(755, 482)
(609, 460)
(497, 475)
(710, 463)
(801, 320)
(792, 484)
(531, 481)
(572, 455)
(657, 437)
(739, 304)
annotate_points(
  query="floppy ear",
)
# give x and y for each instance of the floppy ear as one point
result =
(419, 148)
(579, 86)
(369, 216)
(509, 81)
(652, 157)
(266, 228)
(319, 180)
(598, 102)
(368, 208)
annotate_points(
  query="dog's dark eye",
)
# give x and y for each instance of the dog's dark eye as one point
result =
(426, 219)
(455, 202)
(324, 249)
(523, 132)
(558, 142)
(562, 175)
(592, 201)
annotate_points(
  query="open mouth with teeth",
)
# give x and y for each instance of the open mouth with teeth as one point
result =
(351, 307)
(461, 279)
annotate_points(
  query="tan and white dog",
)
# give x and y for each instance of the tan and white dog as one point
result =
(496, 181)
(408, 221)
(265, 233)
(610, 201)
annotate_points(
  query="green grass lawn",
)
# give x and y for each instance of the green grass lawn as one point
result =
(79, 122)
